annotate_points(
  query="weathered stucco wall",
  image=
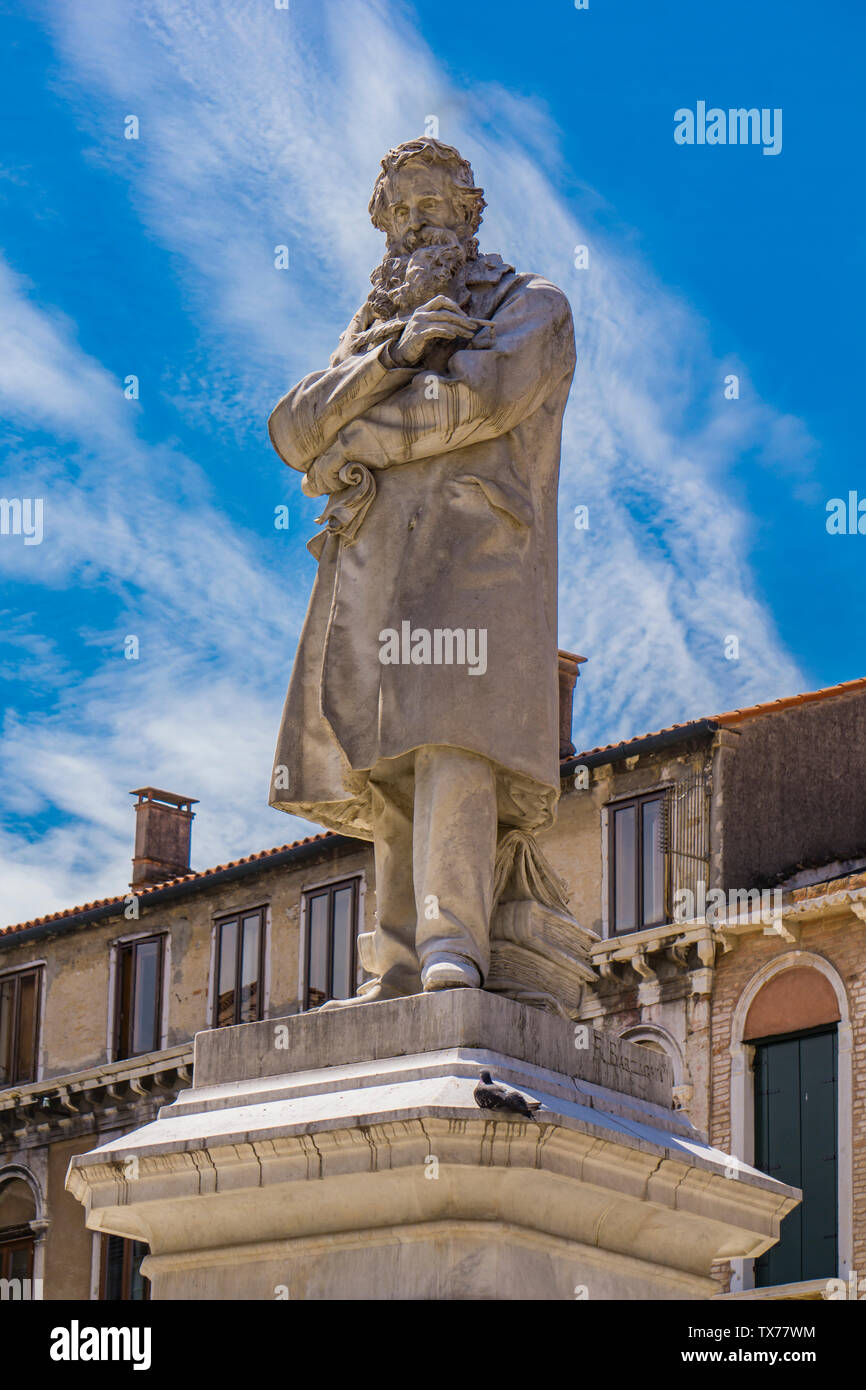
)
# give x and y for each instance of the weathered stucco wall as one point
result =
(796, 793)
(69, 1246)
(75, 1006)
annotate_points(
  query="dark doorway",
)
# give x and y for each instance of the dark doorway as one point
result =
(796, 1128)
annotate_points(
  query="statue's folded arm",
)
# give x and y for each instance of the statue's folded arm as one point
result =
(308, 418)
(486, 390)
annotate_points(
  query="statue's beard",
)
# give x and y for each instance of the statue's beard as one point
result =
(404, 281)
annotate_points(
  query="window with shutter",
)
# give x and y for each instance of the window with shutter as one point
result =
(19, 1026)
(121, 1279)
(138, 997)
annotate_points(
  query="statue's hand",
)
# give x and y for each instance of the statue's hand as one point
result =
(439, 318)
(323, 474)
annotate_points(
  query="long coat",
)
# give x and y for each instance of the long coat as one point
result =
(461, 534)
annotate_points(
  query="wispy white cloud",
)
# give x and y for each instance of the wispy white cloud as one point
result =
(261, 127)
(214, 619)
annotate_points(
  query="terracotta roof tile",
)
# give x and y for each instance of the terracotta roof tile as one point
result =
(734, 716)
(809, 697)
(143, 894)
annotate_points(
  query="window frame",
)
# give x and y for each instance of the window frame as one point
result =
(17, 975)
(17, 1238)
(219, 923)
(353, 881)
(125, 1272)
(120, 947)
(638, 800)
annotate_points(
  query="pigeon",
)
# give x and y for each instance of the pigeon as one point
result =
(489, 1096)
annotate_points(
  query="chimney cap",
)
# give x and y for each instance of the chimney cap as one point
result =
(170, 798)
(571, 659)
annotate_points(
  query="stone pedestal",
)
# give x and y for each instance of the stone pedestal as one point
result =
(342, 1155)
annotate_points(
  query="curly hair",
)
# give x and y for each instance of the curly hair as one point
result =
(468, 198)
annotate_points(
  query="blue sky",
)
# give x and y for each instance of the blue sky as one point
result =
(261, 127)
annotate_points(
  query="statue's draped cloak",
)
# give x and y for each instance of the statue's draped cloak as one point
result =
(464, 450)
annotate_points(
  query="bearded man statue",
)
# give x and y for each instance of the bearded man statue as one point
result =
(422, 711)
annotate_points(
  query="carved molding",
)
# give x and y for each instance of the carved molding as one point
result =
(106, 1090)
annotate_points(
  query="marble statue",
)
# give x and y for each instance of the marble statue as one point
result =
(422, 711)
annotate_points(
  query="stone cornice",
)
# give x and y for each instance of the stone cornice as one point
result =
(643, 950)
(675, 939)
(64, 1101)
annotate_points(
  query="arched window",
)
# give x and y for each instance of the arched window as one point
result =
(17, 1241)
(658, 1039)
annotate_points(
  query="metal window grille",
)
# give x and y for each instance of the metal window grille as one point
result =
(685, 833)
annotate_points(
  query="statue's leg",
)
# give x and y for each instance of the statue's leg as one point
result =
(454, 852)
(388, 952)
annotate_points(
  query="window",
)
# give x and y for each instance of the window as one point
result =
(19, 1023)
(240, 953)
(17, 1242)
(331, 917)
(121, 1279)
(138, 1007)
(16, 1256)
(638, 895)
(796, 1125)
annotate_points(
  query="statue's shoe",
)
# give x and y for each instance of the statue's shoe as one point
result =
(372, 992)
(450, 973)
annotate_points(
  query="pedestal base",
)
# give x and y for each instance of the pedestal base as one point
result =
(367, 1170)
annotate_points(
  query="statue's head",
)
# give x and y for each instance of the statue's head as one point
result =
(423, 187)
(426, 203)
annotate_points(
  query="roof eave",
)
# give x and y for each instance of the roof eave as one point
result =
(171, 891)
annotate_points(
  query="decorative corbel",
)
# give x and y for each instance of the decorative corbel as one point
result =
(706, 949)
(778, 927)
(639, 964)
(678, 950)
(65, 1099)
(607, 972)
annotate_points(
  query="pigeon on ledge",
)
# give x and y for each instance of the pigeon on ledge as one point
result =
(489, 1096)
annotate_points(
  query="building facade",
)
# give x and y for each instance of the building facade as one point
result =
(720, 867)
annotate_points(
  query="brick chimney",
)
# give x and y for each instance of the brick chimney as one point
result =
(569, 670)
(163, 823)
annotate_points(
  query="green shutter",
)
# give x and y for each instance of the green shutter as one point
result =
(795, 1142)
